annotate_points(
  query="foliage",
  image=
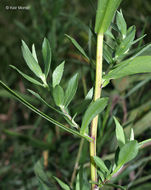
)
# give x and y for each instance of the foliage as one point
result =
(58, 94)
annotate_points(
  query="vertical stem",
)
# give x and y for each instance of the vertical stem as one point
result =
(76, 163)
(97, 94)
(81, 142)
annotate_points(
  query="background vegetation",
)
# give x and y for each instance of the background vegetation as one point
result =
(25, 137)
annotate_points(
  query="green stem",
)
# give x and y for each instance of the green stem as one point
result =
(97, 94)
(81, 142)
(77, 162)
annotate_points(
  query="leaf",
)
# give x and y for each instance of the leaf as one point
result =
(107, 55)
(105, 12)
(34, 109)
(26, 76)
(71, 90)
(93, 110)
(46, 51)
(36, 143)
(119, 134)
(80, 180)
(41, 175)
(137, 40)
(143, 52)
(101, 175)
(58, 95)
(57, 74)
(43, 101)
(126, 42)
(62, 184)
(128, 152)
(30, 60)
(115, 186)
(122, 26)
(101, 165)
(77, 182)
(89, 95)
(141, 64)
(34, 53)
(75, 43)
(132, 135)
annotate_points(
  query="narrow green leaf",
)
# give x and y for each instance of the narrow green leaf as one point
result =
(57, 74)
(30, 61)
(146, 50)
(119, 134)
(126, 42)
(101, 175)
(27, 77)
(58, 95)
(137, 40)
(89, 95)
(43, 101)
(107, 55)
(34, 53)
(93, 110)
(28, 139)
(41, 175)
(122, 26)
(128, 152)
(46, 51)
(77, 182)
(62, 184)
(76, 44)
(101, 165)
(105, 12)
(132, 135)
(71, 89)
(115, 186)
(141, 64)
(34, 109)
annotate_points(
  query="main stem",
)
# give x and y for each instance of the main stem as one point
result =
(97, 94)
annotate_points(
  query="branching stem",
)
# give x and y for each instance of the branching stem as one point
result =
(97, 94)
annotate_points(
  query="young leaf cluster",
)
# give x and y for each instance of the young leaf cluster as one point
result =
(127, 150)
(33, 64)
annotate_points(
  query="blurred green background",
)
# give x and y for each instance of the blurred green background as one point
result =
(25, 137)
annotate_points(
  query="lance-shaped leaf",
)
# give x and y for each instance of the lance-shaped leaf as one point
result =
(128, 152)
(42, 176)
(58, 95)
(101, 165)
(34, 109)
(34, 53)
(119, 133)
(43, 101)
(115, 186)
(62, 184)
(46, 51)
(57, 74)
(71, 89)
(126, 42)
(122, 26)
(76, 44)
(141, 64)
(132, 137)
(93, 110)
(105, 12)
(30, 61)
(29, 140)
(27, 77)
